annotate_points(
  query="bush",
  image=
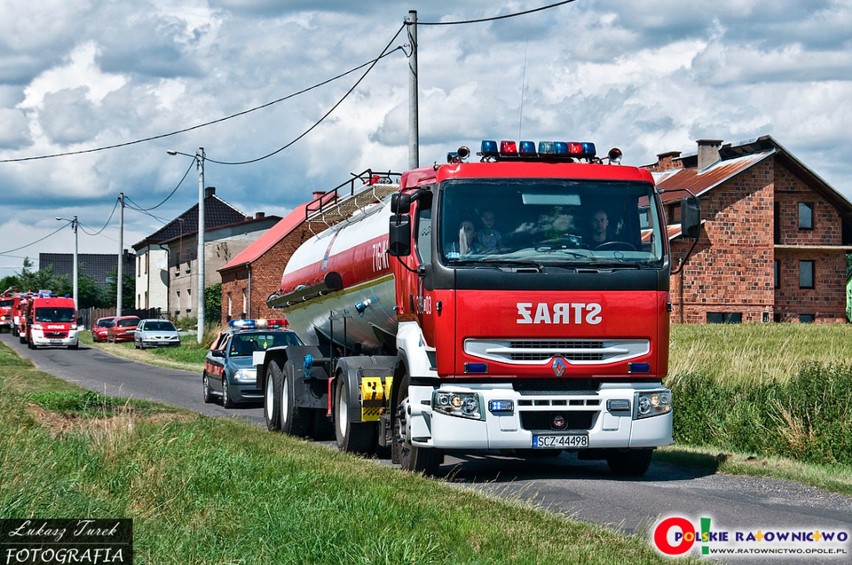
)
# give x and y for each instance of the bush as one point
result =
(806, 418)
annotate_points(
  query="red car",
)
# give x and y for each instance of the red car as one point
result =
(123, 329)
(100, 330)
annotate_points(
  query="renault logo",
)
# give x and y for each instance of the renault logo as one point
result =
(558, 367)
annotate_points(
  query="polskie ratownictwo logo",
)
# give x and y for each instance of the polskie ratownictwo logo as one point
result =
(679, 536)
(63, 541)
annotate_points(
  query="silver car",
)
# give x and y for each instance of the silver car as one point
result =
(155, 333)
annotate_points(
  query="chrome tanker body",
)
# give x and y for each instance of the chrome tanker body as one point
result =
(338, 286)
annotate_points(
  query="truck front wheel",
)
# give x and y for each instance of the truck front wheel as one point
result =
(629, 462)
(410, 457)
(352, 437)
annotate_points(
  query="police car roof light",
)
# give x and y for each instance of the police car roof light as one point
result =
(546, 148)
(242, 324)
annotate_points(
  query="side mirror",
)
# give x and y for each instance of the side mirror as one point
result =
(399, 237)
(400, 203)
(217, 353)
(690, 217)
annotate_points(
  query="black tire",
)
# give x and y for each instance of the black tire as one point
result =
(206, 395)
(294, 420)
(352, 437)
(227, 401)
(411, 458)
(629, 462)
(30, 345)
(75, 346)
(22, 338)
(272, 398)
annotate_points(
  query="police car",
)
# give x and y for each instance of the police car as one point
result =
(229, 372)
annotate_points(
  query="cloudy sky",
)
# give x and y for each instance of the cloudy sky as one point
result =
(81, 76)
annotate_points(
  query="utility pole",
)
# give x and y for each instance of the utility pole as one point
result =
(413, 121)
(199, 299)
(119, 277)
(74, 229)
(199, 163)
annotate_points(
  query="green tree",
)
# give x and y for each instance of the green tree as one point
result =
(213, 304)
(90, 294)
(128, 290)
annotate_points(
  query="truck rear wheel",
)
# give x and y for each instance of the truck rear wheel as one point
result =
(271, 398)
(629, 462)
(294, 420)
(410, 457)
(352, 437)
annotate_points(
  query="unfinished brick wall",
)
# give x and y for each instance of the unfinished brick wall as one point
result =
(733, 267)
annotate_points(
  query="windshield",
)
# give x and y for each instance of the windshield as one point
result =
(247, 343)
(160, 326)
(549, 222)
(54, 315)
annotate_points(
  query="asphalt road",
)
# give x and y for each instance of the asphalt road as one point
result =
(581, 489)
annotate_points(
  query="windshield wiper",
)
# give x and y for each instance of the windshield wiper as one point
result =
(513, 262)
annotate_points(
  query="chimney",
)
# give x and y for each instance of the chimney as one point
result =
(259, 215)
(317, 194)
(665, 161)
(708, 152)
(209, 191)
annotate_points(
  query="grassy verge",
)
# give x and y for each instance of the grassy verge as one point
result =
(204, 490)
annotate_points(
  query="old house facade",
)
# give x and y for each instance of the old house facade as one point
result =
(774, 236)
(167, 260)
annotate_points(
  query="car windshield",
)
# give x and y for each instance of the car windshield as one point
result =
(160, 326)
(54, 315)
(127, 323)
(549, 222)
(104, 323)
(248, 343)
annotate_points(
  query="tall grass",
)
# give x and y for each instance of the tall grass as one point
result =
(772, 390)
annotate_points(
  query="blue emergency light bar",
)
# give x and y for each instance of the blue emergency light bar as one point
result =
(257, 324)
(546, 150)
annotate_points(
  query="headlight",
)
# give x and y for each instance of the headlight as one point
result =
(653, 403)
(462, 404)
(245, 374)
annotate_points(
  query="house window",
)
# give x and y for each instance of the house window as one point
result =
(188, 300)
(724, 317)
(230, 306)
(245, 303)
(177, 302)
(806, 318)
(806, 215)
(806, 274)
(777, 278)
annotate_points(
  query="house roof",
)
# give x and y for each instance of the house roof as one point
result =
(736, 158)
(269, 238)
(217, 213)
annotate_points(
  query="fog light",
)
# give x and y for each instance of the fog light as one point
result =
(618, 405)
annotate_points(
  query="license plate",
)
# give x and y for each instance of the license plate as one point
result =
(560, 441)
(55, 342)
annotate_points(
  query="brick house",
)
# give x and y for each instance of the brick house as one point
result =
(774, 236)
(252, 275)
(166, 261)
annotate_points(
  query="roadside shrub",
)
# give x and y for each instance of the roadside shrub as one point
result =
(807, 418)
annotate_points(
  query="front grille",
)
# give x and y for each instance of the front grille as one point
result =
(542, 421)
(575, 351)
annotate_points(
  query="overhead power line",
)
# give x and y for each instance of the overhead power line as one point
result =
(197, 126)
(494, 18)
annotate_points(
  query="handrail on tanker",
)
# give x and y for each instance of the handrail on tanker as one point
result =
(334, 195)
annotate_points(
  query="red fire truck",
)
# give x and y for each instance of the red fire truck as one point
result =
(519, 304)
(51, 321)
(8, 304)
